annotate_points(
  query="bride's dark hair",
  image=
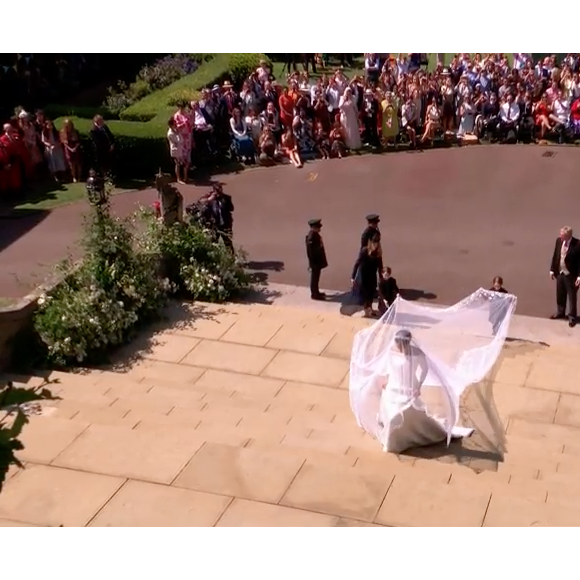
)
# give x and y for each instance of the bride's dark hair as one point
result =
(403, 340)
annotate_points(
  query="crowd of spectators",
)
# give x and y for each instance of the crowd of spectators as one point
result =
(397, 99)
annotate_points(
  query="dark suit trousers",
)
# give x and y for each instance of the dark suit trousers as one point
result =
(315, 281)
(566, 291)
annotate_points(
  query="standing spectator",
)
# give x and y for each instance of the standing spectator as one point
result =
(12, 164)
(370, 114)
(349, 120)
(223, 212)
(53, 151)
(30, 138)
(286, 105)
(271, 119)
(267, 147)
(103, 146)
(565, 269)
(183, 125)
(390, 119)
(71, 142)
(337, 144)
(372, 68)
(177, 150)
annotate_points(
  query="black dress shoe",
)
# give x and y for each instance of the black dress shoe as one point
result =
(319, 297)
(557, 317)
(572, 322)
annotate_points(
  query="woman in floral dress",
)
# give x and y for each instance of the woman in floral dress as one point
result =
(184, 127)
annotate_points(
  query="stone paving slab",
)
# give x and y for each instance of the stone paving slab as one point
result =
(245, 420)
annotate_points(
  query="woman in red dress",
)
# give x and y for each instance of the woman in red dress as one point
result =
(542, 112)
(286, 105)
(575, 117)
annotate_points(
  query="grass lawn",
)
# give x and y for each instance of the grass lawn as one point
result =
(52, 196)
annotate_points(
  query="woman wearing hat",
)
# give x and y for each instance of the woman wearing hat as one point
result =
(183, 126)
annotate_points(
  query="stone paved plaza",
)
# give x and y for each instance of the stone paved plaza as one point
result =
(239, 415)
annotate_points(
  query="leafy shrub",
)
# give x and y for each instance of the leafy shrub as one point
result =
(151, 78)
(120, 284)
(222, 67)
(195, 265)
(183, 96)
(99, 303)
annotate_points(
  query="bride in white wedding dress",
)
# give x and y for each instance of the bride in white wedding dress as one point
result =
(404, 419)
(411, 370)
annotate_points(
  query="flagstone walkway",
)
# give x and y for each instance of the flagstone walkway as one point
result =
(239, 415)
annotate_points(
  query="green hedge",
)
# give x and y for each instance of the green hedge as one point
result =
(224, 66)
(140, 136)
(54, 111)
(141, 148)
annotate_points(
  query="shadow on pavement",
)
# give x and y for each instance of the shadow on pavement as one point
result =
(18, 224)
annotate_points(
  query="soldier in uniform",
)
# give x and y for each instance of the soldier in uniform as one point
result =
(372, 232)
(316, 258)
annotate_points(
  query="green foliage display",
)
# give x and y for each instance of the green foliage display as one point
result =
(140, 134)
(124, 281)
(99, 303)
(223, 66)
(195, 265)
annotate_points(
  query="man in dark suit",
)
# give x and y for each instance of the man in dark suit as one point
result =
(565, 269)
(316, 258)
(103, 144)
(223, 210)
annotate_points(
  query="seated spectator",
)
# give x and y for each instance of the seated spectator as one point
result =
(290, 148)
(302, 129)
(267, 147)
(271, 119)
(432, 121)
(254, 124)
(575, 117)
(509, 117)
(466, 114)
(527, 124)
(409, 120)
(53, 151)
(243, 144)
(560, 116)
(337, 141)
(542, 111)
(322, 141)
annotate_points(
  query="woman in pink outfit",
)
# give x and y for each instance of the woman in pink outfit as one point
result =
(184, 127)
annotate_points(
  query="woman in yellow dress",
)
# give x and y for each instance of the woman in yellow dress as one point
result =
(390, 119)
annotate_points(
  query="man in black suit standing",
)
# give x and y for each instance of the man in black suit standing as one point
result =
(371, 232)
(103, 144)
(565, 269)
(316, 258)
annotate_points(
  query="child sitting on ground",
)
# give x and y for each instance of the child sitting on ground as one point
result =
(497, 285)
(497, 310)
(388, 290)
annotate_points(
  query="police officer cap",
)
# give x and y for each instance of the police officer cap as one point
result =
(315, 223)
(373, 217)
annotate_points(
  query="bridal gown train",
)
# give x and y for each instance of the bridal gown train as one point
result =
(404, 421)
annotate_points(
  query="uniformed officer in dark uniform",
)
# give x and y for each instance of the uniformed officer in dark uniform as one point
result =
(372, 232)
(316, 258)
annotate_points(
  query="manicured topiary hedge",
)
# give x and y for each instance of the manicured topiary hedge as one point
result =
(224, 66)
(140, 134)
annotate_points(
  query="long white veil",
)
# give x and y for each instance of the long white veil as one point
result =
(459, 345)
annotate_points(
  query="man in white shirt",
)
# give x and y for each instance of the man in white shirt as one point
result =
(565, 269)
(509, 115)
(560, 116)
